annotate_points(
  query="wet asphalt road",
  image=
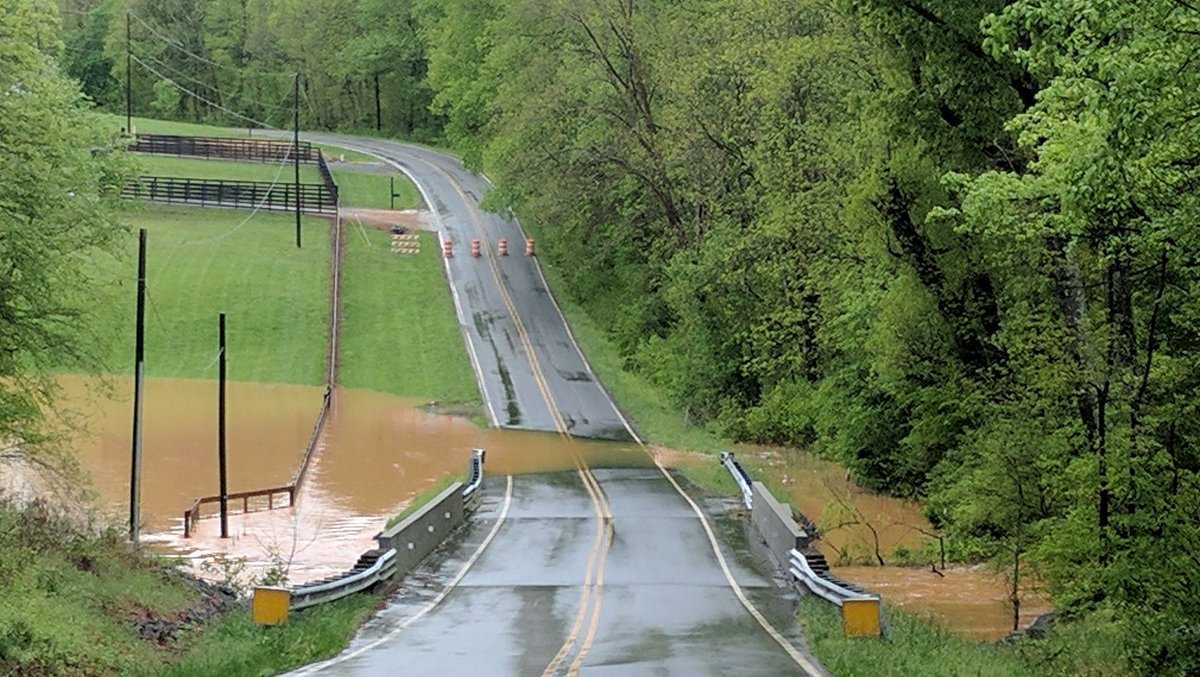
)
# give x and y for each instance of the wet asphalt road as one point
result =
(666, 606)
(497, 297)
(508, 593)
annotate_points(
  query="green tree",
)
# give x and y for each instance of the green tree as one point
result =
(59, 173)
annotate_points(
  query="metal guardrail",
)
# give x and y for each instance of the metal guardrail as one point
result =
(822, 586)
(374, 566)
(475, 480)
(306, 596)
(740, 476)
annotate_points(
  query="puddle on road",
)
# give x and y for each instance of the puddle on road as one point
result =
(378, 452)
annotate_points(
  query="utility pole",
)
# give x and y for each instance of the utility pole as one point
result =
(392, 183)
(296, 149)
(378, 109)
(139, 354)
(128, 79)
(224, 493)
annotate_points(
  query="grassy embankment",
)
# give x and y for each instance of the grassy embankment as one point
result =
(75, 603)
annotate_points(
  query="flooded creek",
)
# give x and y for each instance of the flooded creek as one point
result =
(855, 523)
(380, 451)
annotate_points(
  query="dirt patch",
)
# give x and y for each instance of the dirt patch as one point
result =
(385, 219)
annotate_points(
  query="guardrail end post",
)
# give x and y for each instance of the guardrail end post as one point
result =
(861, 617)
(270, 606)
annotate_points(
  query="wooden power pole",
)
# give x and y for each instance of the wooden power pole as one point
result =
(224, 488)
(296, 149)
(139, 354)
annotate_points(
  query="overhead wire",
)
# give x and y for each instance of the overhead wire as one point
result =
(216, 90)
(218, 106)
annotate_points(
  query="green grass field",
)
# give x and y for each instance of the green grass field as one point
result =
(400, 334)
(372, 190)
(166, 165)
(204, 261)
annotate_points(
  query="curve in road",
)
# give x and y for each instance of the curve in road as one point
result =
(658, 592)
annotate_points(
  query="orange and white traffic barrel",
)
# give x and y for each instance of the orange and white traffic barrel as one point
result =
(475, 248)
(502, 247)
(448, 249)
(529, 248)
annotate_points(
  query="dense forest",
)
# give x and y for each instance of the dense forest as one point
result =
(951, 244)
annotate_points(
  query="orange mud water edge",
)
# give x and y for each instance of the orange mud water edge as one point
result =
(971, 601)
(378, 451)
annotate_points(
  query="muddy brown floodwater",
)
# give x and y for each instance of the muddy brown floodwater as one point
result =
(377, 453)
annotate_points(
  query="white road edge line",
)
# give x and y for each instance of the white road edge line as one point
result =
(458, 309)
(317, 667)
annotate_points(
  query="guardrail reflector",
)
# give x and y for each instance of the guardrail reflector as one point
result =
(860, 617)
(270, 606)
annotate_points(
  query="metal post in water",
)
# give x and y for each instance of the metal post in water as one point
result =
(296, 149)
(224, 493)
(139, 350)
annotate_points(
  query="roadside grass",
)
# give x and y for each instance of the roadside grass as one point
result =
(422, 497)
(227, 170)
(233, 646)
(372, 190)
(400, 333)
(200, 262)
(68, 599)
(913, 646)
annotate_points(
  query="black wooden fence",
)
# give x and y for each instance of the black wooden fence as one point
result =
(252, 150)
(314, 197)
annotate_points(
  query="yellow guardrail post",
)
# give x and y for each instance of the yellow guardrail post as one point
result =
(860, 617)
(270, 605)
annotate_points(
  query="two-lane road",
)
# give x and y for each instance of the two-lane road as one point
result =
(599, 571)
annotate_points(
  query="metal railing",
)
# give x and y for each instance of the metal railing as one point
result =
(740, 476)
(381, 569)
(252, 150)
(375, 566)
(836, 592)
(475, 477)
(314, 197)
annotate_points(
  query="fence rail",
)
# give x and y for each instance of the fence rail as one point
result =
(314, 197)
(251, 150)
(740, 476)
(191, 516)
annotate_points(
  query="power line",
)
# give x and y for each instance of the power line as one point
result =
(218, 106)
(213, 88)
(179, 46)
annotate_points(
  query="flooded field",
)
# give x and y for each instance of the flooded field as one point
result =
(378, 451)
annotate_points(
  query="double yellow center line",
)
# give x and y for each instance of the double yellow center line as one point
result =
(592, 593)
